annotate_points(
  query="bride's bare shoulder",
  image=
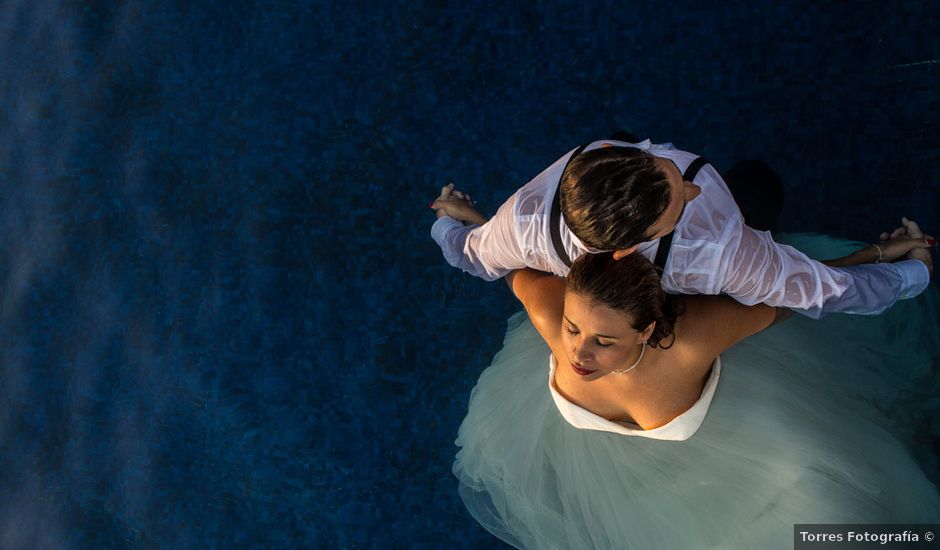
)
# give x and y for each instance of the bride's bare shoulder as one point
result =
(714, 323)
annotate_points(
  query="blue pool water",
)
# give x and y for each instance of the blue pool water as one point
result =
(222, 320)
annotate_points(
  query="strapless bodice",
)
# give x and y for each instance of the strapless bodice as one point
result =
(679, 428)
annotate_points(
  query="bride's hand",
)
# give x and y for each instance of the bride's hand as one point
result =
(903, 231)
(457, 205)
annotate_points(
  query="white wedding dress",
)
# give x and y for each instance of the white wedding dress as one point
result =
(807, 422)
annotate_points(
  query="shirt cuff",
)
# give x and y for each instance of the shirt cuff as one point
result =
(914, 278)
(441, 227)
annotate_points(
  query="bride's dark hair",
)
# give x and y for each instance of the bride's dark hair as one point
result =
(630, 285)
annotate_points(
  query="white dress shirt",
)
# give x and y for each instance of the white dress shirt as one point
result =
(712, 251)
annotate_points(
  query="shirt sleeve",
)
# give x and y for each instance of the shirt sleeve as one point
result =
(760, 270)
(489, 251)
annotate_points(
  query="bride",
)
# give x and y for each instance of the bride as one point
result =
(645, 438)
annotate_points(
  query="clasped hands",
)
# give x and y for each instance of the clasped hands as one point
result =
(457, 205)
(908, 241)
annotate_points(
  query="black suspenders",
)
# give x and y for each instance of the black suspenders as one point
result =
(555, 215)
(665, 242)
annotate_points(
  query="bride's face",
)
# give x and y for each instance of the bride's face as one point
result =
(598, 339)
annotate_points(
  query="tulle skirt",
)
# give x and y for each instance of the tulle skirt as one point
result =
(831, 421)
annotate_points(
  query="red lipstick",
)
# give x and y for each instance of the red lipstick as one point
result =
(581, 371)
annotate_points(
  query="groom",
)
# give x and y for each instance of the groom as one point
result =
(675, 209)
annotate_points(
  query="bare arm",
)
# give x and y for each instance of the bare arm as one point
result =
(543, 296)
(886, 251)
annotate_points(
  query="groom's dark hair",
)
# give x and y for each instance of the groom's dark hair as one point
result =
(612, 195)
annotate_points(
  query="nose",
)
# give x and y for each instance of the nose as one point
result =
(579, 351)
